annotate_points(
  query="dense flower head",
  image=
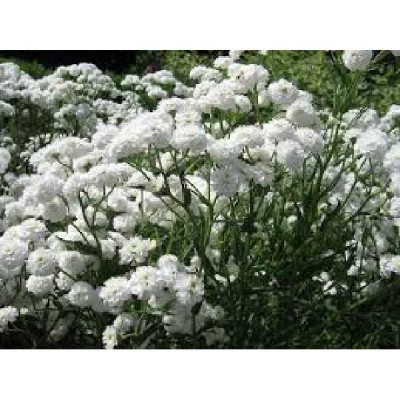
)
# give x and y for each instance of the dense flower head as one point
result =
(282, 93)
(357, 60)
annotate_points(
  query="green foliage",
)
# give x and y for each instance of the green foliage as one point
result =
(32, 68)
(309, 70)
(313, 71)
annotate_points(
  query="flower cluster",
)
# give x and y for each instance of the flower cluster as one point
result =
(175, 226)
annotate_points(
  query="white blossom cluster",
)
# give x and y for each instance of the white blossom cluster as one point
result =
(91, 232)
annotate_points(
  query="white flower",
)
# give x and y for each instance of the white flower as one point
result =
(136, 250)
(54, 211)
(223, 62)
(118, 200)
(221, 96)
(130, 80)
(108, 248)
(263, 98)
(309, 139)
(235, 54)
(42, 262)
(248, 76)
(392, 159)
(362, 120)
(291, 154)
(248, 135)
(64, 149)
(224, 150)
(261, 174)
(189, 289)
(115, 291)
(243, 103)
(180, 320)
(40, 285)
(30, 230)
(189, 137)
(64, 282)
(279, 129)
(395, 207)
(125, 222)
(6, 109)
(357, 60)
(110, 337)
(372, 144)
(168, 266)
(148, 128)
(163, 77)
(104, 135)
(72, 262)
(226, 181)
(302, 113)
(123, 322)
(45, 189)
(143, 282)
(109, 174)
(5, 159)
(389, 264)
(13, 253)
(7, 315)
(203, 73)
(74, 184)
(283, 93)
(82, 294)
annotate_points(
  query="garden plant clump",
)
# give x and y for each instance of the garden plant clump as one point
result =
(227, 212)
